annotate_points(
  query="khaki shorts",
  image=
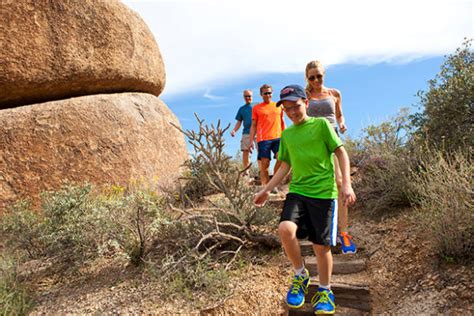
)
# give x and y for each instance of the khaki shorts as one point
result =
(245, 142)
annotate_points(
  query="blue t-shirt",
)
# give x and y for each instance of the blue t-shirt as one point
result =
(245, 114)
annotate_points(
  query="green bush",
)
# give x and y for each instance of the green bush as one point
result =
(20, 229)
(447, 116)
(197, 183)
(133, 222)
(15, 299)
(442, 192)
(76, 224)
(67, 227)
(71, 228)
(383, 162)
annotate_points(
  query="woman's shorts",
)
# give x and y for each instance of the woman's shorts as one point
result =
(316, 218)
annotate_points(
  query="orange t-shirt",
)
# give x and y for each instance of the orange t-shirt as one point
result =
(269, 119)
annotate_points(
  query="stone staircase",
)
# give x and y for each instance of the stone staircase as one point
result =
(349, 280)
(349, 283)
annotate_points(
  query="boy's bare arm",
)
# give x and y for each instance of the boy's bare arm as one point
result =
(347, 193)
(236, 128)
(263, 194)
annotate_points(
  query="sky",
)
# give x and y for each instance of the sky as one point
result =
(377, 53)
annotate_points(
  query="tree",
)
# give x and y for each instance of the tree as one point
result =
(447, 118)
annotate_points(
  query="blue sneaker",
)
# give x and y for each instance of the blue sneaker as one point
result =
(298, 289)
(348, 245)
(323, 302)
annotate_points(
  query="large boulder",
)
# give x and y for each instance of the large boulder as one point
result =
(57, 49)
(108, 138)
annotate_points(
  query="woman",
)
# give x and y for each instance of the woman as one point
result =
(326, 102)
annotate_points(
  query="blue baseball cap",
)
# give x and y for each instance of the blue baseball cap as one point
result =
(292, 92)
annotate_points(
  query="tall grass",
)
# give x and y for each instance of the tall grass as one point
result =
(443, 198)
(15, 299)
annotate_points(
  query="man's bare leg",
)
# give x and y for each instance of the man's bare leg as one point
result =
(245, 158)
(264, 165)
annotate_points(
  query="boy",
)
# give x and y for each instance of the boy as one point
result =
(310, 208)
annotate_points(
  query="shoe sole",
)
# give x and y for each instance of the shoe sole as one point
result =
(295, 306)
(324, 313)
(348, 251)
(302, 303)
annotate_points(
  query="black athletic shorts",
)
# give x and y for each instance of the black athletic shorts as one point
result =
(316, 218)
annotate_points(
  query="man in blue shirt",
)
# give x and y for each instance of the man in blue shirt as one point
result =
(244, 114)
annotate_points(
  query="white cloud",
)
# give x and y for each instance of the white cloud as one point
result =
(212, 97)
(208, 42)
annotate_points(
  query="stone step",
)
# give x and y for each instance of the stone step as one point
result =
(351, 296)
(307, 249)
(342, 264)
(307, 310)
(355, 296)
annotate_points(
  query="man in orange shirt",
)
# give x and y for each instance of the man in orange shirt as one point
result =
(267, 124)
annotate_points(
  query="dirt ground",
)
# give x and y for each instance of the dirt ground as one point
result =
(404, 278)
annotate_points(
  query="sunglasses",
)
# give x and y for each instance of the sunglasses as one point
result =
(267, 93)
(289, 109)
(247, 96)
(312, 78)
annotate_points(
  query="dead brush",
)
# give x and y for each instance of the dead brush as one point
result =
(442, 194)
(226, 227)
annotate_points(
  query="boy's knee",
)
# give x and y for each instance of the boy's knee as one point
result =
(287, 229)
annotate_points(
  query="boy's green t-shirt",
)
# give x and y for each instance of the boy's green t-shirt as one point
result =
(309, 149)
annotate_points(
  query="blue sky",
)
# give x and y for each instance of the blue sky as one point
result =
(371, 93)
(377, 53)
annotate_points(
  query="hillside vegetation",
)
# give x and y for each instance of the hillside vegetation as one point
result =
(191, 238)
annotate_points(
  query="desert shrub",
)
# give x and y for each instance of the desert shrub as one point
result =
(195, 250)
(15, 299)
(207, 162)
(134, 219)
(20, 229)
(442, 193)
(77, 224)
(210, 170)
(196, 184)
(71, 227)
(66, 227)
(190, 248)
(447, 116)
(218, 171)
(383, 162)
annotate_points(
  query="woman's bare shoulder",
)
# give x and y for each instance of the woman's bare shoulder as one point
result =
(334, 92)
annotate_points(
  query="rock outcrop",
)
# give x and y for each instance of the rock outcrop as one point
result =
(58, 49)
(108, 138)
